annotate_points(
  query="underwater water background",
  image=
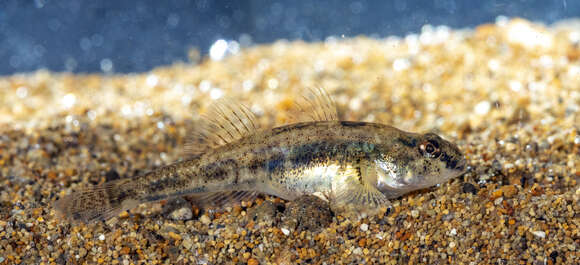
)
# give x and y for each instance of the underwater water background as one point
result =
(136, 36)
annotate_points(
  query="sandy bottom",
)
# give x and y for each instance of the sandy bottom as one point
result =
(508, 94)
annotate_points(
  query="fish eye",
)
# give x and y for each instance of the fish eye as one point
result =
(430, 149)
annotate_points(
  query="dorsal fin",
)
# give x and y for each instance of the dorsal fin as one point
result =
(225, 121)
(315, 104)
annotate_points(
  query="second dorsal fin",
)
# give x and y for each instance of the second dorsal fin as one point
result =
(225, 121)
(315, 104)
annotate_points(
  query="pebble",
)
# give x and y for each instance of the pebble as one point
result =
(469, 188)
(364, 227)
(453, 232)
(540, 234)
(205, 219)
(285, 231)
(183, 213)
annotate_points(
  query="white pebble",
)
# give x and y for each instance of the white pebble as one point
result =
(102, 237)
(364, 227)
(453, 232)
(285, 231)
(483, 107)
(415, 213)
(451, 244)
(541, 234)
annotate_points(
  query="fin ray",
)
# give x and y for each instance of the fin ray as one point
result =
(225, 121)
(357, 195)
(98, 202)
(315, 104)
(224, 198)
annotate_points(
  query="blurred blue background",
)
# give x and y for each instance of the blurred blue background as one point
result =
(135, 36)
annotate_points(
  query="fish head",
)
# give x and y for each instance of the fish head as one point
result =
(417, 161)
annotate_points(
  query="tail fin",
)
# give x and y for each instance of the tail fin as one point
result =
(99, 202)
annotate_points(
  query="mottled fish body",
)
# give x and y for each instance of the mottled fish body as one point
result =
(355, 166)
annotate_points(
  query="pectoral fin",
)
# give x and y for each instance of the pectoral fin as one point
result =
(355, 195)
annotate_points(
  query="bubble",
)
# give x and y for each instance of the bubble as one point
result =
(106, 65)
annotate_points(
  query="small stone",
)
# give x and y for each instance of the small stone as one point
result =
(415, 213)
(205, 219)
(540, 234)
(102, 237)
(364, 227)
(453, 232)
(82, 252)
(187, 243)
(285, 231)
(174, 235)
(362, 242)
(178, 209)
(253, 261)
(469, 188)
(182, 214)
(125, 251)
(509, 191)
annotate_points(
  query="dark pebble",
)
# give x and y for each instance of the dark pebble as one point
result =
(112, 175)
(469, 188)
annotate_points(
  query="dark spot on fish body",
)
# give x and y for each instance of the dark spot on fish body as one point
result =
(255, 165)
(122, 195)
(76, 216)
(214, 171)
(275, 163)
(287, 128)
(156, 197)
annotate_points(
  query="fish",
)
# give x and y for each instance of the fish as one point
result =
(357, 167)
